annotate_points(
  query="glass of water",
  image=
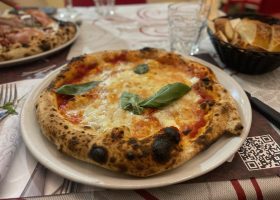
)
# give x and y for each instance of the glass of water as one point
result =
(184, 24)
(105, 7)
(67, 13)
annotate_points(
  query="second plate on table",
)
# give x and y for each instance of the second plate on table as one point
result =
(14, 62)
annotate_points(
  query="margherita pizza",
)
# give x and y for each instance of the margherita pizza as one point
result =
(29, 32)
(140, 112)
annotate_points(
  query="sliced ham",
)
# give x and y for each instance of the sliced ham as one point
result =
(41, 17)
(13, 22)
(24, 36)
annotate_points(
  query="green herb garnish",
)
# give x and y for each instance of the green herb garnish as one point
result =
(76, 89)
(130, 102)
(141, 69)
(165, 96)
(9, 107)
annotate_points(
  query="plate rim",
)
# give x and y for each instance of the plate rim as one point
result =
(101, 184)
(18, 61)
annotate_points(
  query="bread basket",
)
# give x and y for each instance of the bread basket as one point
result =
(246, 60)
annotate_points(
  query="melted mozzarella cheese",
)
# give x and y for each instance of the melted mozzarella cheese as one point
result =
(105, 112)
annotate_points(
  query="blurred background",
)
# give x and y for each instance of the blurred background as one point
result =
(267, 7)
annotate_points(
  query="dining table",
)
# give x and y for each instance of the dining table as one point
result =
(252, 172)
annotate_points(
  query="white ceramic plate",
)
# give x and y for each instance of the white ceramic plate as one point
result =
(81, 172)
(10, 63)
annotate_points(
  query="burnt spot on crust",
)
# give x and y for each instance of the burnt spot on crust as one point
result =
(130, 155)
(164, 143)
(87, 127)
(77, 58)
(187, 131)
(148, 52)
(133, 142)
(147, 49)
(224, 109)
(238, 127)
(227, 132)
(61, 76)
(145, 151)
(72, 143)
(161, 148)
(117, 133)
(99, 154)
(203, 140)
(206, 105)
(209, 130)
(206, 81)
(172, 133)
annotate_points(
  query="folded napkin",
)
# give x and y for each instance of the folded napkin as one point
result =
(9, 140)
(10, 131)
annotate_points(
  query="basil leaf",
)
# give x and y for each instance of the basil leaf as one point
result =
(165, 95)
(9, 107)
(76, 89)
(141, 69)
(130, 102)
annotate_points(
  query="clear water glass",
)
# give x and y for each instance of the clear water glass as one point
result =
(67, 13)
(203, 17)
(184, 23)
(105, 7)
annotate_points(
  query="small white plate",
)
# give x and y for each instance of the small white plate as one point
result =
(14, 62)
(82, 172)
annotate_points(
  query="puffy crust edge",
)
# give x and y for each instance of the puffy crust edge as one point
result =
(138, 157)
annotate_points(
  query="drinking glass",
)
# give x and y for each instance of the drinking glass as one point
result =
(105, 7)
(184, 23)
(203, 16)
(67, 13)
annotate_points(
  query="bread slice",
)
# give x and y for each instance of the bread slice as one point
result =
(234, 22)
(224, 25)
(255, 33)
(238, 41)
(275, 38)
(211, 26)
(222, 36)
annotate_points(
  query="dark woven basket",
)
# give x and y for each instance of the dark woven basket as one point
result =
(245, 60)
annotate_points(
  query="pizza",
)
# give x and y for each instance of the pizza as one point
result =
(140, 112)
(29, 32)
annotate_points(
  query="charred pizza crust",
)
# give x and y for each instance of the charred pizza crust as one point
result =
(121, 149)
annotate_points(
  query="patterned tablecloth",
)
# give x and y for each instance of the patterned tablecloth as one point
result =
(135, 27)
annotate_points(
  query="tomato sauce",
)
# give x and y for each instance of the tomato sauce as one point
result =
(195, 128)
(117, 58)
(81, 71)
